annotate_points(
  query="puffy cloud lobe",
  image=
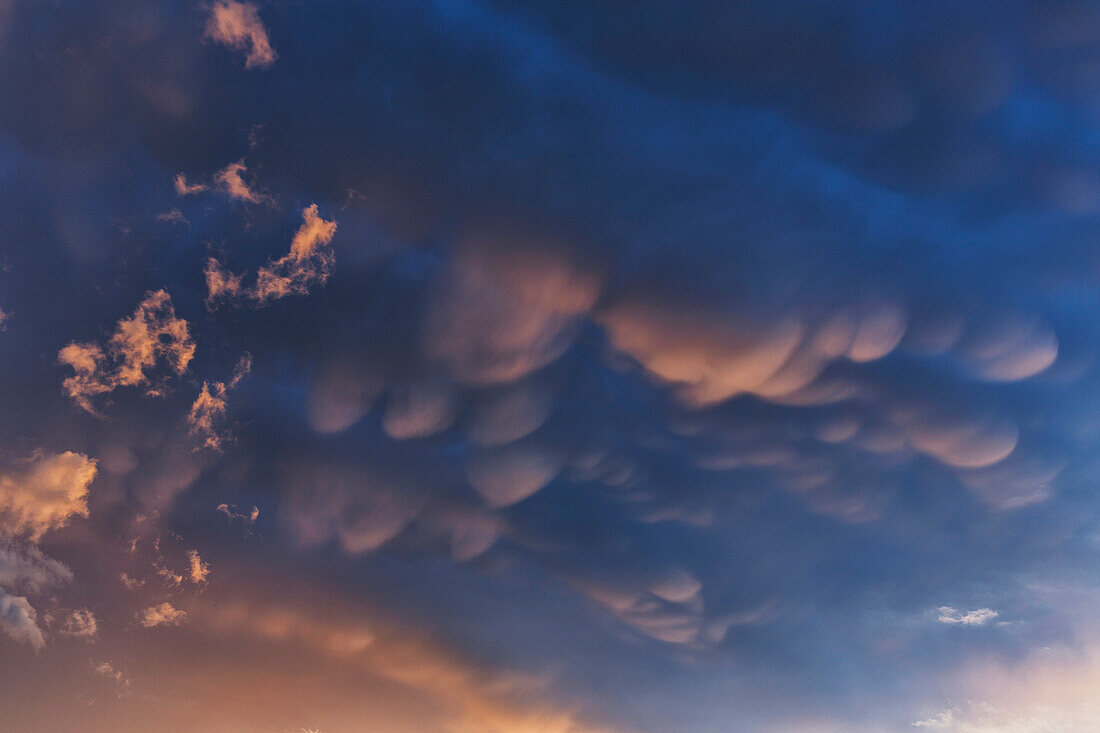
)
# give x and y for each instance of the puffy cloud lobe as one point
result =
(669, 608)
(19, 620)
(509, 474)
(45, 493)
(152, 334)
(340, 395)
(712, 356)
(500, 312)
(164, 614)
(418, 410)
(309, 263)
(363, 511)
(238, 26)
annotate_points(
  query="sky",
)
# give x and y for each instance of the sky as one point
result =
(549, 366)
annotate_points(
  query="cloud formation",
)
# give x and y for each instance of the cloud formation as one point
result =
(44, 493)
(977, 617)
(19, 620)
(164, 614)
(207, 412)
(80, 622)
(237, 25)
(199, 569)
(152, 335)
(309, 263)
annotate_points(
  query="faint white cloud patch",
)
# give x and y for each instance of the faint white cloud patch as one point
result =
(955, 617)
(163, 615)
(80, 622)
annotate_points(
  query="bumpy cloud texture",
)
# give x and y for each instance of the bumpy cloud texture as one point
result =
(685, 363)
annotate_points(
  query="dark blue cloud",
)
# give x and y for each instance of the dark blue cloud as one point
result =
(678, 345)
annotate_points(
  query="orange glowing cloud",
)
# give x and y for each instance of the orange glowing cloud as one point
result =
(237, 25)
(309, 263)
(44, 493)
(152, 334)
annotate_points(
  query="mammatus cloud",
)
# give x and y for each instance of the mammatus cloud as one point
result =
(977, 617)
(80, 622)
(18, 620)
(208, 410)
(308, 263)
(499, 312)
(44, 493)
(237, 25)
(152, 334)
(163, 615)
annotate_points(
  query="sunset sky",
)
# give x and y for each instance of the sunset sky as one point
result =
(549, 366)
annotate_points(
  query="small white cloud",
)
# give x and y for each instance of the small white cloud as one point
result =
(163, 615)
(199, 569)
(977, 617)
(80, 622)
